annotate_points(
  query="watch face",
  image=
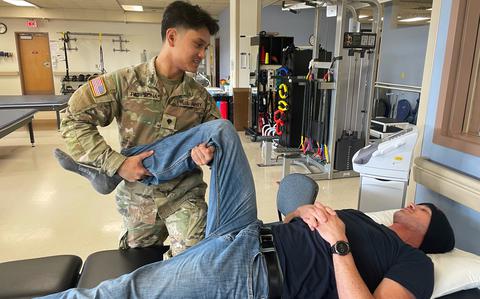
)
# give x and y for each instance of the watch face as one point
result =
(342, 248)
(3, 28)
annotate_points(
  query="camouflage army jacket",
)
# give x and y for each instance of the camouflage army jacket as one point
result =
(137, 99)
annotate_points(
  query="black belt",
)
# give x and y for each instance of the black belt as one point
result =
(275, 276)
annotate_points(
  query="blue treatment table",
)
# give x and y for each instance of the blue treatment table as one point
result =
(11, 120)
(39, 102)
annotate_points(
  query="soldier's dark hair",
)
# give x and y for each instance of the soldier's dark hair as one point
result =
(184, 14)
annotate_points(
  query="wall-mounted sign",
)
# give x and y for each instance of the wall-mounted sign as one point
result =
(31, 24)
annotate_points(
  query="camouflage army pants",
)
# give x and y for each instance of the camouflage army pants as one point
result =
(143, 227)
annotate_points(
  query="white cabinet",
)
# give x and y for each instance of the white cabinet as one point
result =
(378, 194)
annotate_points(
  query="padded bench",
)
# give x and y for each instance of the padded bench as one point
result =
(13, 119)
(38, 102)
(467, 294)
(39, 276)
(47, 275)
(108, 264)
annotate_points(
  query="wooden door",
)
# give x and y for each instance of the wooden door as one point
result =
(35, 63)
(241, 104)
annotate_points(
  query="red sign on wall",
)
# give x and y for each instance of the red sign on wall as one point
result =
(31, 24)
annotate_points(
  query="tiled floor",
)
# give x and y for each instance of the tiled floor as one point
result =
(46, 210)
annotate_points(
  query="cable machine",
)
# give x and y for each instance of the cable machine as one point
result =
(347, 100)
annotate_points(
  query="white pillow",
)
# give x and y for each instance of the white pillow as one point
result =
(454, 271)
(383, 217)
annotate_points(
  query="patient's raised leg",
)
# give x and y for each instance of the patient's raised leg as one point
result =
(232, 202)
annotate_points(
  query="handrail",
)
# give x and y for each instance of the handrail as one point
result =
(395, 86)
(446, 181)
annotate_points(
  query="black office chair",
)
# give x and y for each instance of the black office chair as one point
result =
(295, 190)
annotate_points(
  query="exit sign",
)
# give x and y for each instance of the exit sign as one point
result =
(31, 24)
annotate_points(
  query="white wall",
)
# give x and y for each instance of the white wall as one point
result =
(407, 44)
(85, 60)
(249, 25)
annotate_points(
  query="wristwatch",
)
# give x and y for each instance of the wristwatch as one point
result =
(341, 248)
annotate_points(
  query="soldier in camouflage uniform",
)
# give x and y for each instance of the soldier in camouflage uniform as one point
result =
(150, 101)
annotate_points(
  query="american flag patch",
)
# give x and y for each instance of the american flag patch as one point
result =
(98, 87)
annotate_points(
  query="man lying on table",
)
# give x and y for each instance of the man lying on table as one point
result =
(321, 253)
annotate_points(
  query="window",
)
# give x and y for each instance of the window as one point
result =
(458, 117)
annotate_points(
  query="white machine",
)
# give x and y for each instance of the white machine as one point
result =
(384, 168)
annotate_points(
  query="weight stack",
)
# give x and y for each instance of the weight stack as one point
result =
(345, 148)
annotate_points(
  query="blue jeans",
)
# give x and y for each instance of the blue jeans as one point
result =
(228, 262)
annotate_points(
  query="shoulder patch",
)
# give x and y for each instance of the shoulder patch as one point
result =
(98, 87)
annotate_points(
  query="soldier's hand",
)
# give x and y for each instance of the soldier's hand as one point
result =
(202, 155)
(132, 168)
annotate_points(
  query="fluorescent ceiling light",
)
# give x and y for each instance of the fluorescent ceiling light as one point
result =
(20, 3)
(362, 16)
(429, 9)
(299, 6)
(415, 19)
(132, 7)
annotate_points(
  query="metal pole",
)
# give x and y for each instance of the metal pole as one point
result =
(333, 117)
(376, 29)
(316, 32)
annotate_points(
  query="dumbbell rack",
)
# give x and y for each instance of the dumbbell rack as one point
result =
(73, 82)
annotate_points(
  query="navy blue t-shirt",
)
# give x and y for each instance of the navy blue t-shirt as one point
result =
(378, 253)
